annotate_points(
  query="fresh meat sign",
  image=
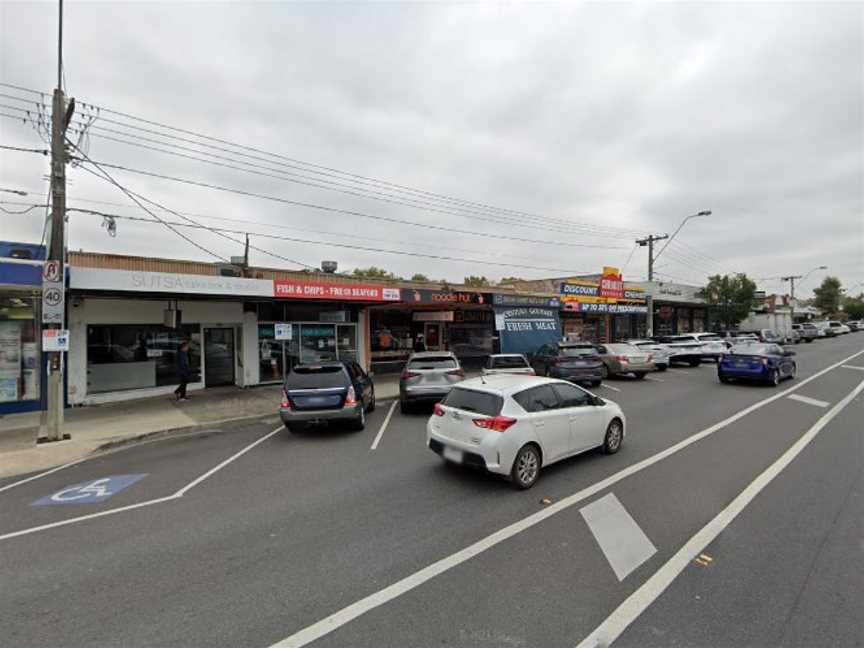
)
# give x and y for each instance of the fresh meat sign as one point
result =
(338, 292)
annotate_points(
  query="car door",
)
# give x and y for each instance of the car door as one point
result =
(550, 422)
(540, 361)
(364, 381)
(584, 419)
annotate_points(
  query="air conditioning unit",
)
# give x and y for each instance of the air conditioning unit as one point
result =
(228, 270)
(329, 266)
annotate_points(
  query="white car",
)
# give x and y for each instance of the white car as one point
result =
(507, 363)
(659, 352)
(515, 425)
(713, 347)
(839, 328)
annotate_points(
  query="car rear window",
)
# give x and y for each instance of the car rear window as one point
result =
(679, 338)
(751, 349)
(471, 400)
(622, 348)
(312, 377)
(440, 362)
(709, 338)
(577, 351)
(507, 362)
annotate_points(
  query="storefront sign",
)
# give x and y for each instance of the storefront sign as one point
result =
(606, 309)
(167, 282)
(288, 288)
(433, 316)
(525, 300)
(282, 331)
(611, 283)
(609, 290)
(526, 329)
(443, 297)
(55, 340)
(333, 316)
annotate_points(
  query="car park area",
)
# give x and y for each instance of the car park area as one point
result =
(368, 538)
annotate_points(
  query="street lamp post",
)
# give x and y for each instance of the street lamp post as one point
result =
(649, 241)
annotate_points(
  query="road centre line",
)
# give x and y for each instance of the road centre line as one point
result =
(383, 426)
(180, 493)
(605, 386)
(853, 367)
(347, 614)
(615, 624)
(808, 400)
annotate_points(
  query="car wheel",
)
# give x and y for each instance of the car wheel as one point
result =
(604, 371)
(662, 367)
(614, 437)
(639, 375)
(695, 363)
(371, 407)
(723, 378)
(526, 467)
(404, 407)
(596, 383)
(794, 371)
(774, 378)
(808, 340)
(360, 422)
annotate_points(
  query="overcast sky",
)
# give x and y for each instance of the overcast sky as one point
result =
(605, 119)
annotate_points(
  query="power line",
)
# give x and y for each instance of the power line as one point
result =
(23, 150)
(347, 212)
(21, 211)
(330, 244)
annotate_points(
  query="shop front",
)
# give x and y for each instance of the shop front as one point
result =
(21, 374)
(604, 310)
(525, 322)
(678, 308)
(437, 320)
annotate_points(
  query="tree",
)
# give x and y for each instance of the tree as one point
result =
(373, 272)
(827, 296)
(854, 307)
(419, 277)
(476, 282)
(510, 280)
(732, 296)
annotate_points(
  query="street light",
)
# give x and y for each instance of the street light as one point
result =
(706, 212)
(791, 279)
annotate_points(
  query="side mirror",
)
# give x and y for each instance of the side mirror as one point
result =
(598, 402)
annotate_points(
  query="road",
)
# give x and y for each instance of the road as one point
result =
(732, 516)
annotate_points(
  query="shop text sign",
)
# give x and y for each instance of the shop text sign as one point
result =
(291, 289)
(167, 282)
(422, 296)
(611, 283)
(527, 319)
(525, 300)
(605, 309)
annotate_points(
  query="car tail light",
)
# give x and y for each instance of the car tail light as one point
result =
(438, 410)
(496, 423)
(351, 398)
(409, 374)
(765, 361)
(456, 372)
(285, 404)
(621, 358)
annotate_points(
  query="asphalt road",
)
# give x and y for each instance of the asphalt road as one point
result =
(732, 516)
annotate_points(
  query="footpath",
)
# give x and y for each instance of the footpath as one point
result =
(103, 427)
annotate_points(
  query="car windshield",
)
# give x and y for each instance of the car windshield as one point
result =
(434, 362)
(574, 352)
(312, 376)
(471, 400)
(507, 362)
(752, 349)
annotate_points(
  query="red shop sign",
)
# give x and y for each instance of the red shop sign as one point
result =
(612, 285)
(290, 289)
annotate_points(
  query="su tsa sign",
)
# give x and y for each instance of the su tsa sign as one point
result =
(611, 283)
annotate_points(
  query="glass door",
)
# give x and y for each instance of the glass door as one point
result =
(271, 357)
(432, 336)
(218, 356)
(346, 342)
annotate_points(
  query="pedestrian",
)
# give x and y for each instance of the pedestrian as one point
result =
(182, 370)
(420, 343)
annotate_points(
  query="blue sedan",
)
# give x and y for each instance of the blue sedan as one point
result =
(769, 363)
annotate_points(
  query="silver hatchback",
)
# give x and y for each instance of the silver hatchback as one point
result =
(428, 377)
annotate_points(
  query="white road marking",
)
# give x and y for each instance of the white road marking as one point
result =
(383, 426)
(350, 612)
(605, 386)
(808, 400)
(180, 493)
(43, 474)
(653, 379)
(621, 539)
(677, 371)
(853, 367)
(650, 590)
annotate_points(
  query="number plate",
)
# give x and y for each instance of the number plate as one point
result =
(452, 454)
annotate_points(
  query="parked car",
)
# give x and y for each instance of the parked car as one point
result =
(793, 337)
(682, 349)
(573, 361)
(713, 347)
(839, 328)
(769, 363)
(620, 358)
(517, 425)
(855, 325)
(659, 352)
(507, 363)
(807, 332)
(825, 330)
(428, 377)
(330, 392)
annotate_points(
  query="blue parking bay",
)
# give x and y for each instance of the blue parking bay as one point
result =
(93, 491)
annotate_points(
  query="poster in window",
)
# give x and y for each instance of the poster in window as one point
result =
(10, 360)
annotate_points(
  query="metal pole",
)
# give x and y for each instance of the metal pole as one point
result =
(60, 48)
(649, 300)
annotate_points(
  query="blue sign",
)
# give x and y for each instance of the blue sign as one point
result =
(500, 299)
(94, 491)
(524, 330)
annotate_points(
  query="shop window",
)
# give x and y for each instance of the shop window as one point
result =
(317, 343)
(346, 342)
(19, 350)
(138, 356)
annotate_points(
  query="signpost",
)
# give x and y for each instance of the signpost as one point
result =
(282, 331)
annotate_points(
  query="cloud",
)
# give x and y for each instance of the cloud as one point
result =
(624, 116)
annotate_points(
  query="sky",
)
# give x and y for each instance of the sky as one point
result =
(547, 137)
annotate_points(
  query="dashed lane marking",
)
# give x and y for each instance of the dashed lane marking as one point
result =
(383, 427)
(621, 539)
(853, 367)
(653, 379)
(808, 400)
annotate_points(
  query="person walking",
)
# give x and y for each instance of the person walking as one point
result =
(183, 371)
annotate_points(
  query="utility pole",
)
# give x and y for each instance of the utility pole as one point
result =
(649, 241)
(791, 279)
(60, 117)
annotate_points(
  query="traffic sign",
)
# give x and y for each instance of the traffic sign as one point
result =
(55, 340)
(90, 492)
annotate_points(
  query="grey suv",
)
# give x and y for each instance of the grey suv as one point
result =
(428, 377)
